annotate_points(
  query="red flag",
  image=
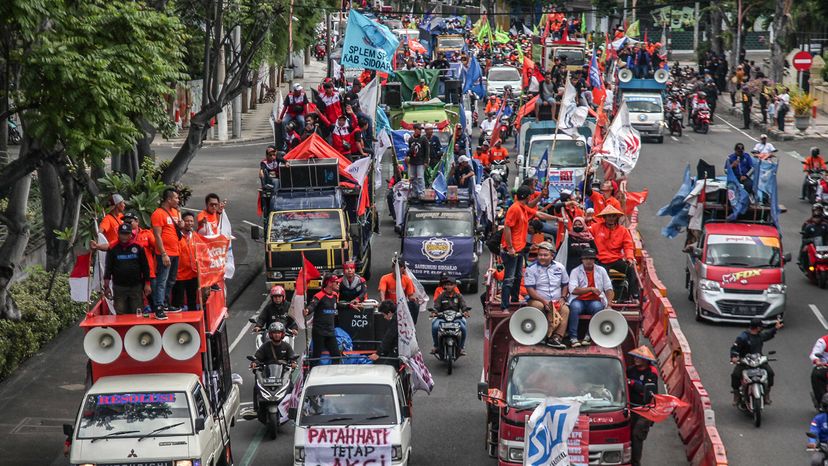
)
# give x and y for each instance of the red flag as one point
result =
(645, 36)
(211, 257)
(634, 199)
(496, 130)
(364, 201)
(79, 278)
(259, 209)
(416, 46)
(306, 273)
(660, 408)
(525, 109)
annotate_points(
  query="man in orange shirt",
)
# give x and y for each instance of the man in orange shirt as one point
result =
(166, 227)
(498, 153)
(210, 218)
(605, 197)
(616, 249)
(481, 154)
(185, 290)
(388, 289)
(513, 244)
(113, 219)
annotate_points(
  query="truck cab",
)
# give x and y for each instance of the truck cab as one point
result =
(572, 50)
(645, 103)
(568, 156)
(449, 44)
(344, 396)
(151, 419)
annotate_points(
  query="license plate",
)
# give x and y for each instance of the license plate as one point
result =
(451, 325)
(743, 310)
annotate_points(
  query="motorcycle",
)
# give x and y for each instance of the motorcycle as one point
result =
(261, 336)
(505, 128)
(821, 447)
(816, 268)
(14, 132)
(754, 385)
(319, 52)
(500, 167)
(675, 118)
(701, 121)
(273, 384)
(448, 336)
(812, 178)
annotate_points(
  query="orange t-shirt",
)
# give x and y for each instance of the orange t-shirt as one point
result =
(388, 286)
(498, 154)
(167, 222)
(599, 202)
(212, 219)
(109, 226)
(590, 284)
(186, 265)
(146, 240)
(517, 218)
(482, 157)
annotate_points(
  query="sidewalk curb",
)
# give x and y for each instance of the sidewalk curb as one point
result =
(774, 134)
(209, 143)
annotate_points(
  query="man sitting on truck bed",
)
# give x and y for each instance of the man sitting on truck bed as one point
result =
(548, 285)
(616, 250)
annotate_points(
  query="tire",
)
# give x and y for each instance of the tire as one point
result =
(449, 355)
(822, 279)
(678, 130)
(273, 425)
(705, 128)
(757, 411)
(472, 286)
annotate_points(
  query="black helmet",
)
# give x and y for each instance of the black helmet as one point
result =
(276, 327)
(816, 208)
(823, 403)
(814, 151)
(756, 323)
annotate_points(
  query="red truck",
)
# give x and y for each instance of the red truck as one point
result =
(516, 377)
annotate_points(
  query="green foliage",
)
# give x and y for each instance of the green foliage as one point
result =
(41, 320)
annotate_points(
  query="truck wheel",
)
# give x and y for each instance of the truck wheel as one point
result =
(472, 285)
(272, 425)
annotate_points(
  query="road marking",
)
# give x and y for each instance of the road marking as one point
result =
(674, 138)
(738, 129)
(252, 225)
(246, 328)
(795, 155)
(254, 445)
(819, 316)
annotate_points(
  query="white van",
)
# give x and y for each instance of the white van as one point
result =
(646, 113)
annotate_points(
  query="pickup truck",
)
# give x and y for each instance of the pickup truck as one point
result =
(568, 156)
(152, 419)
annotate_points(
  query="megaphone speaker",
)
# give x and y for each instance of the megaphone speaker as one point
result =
(608, 328)
(143, 342)
(528, 326)
(661, 76)
(103, 345)
(625, 75)
(181, 341)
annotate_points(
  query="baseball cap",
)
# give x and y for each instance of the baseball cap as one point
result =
(297, 87)
(125, 228)
(547, 245)
(463, 159)
(130, 216)
(763, 136)
(524, 192)
(588, 253)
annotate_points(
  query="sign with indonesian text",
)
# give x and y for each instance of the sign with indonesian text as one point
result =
(578, 442)
(348, 446)
(210, 256)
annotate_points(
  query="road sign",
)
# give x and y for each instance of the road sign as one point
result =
(802, 61)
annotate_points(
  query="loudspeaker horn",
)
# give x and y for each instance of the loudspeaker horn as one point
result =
(661, 76)
(528, 326)
(181, 341)
(608, 328)
(625, 75)
(103, 345)
(143, 342)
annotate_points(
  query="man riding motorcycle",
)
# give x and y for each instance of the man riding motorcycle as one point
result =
(275, 349)
(819, 427)
(749, 342)
(814, 227)
(276, 311)
(819, 374)
(813, 162)
(449, 299)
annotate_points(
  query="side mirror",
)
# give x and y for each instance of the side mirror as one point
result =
(69, 430)
(199, 424)
(786, 257)
(482, 389)
(292, 413)
(696, 253)
(237, 379)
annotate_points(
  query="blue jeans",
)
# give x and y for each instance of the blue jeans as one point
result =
(299, 119)
(416, 173)
(578, 307)
(164, 281)
(512, 275)
(435, 326)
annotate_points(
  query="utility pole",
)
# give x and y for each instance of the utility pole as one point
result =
(237, 101)
(221, 118)
(328, 43)
(696, 26)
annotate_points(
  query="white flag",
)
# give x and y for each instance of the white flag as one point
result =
(382, 143)
(527, 31)
(419, 291)
(407, 347)
(571, 116)
(622, 145)
(226, 230)
(488, 198)
(297, 309)
(547, 432)
(292, 400)
(368, 98)
(359, 169)
(563, 252)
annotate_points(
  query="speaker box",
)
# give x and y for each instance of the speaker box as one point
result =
(311, 173)
(392, 95)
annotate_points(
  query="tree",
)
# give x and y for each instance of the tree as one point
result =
(781, 31)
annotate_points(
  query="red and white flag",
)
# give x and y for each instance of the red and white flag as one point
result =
(297, 303)
(79, 278)
(408, 348)
(660, 408)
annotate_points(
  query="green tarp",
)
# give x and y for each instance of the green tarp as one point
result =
(410, 78)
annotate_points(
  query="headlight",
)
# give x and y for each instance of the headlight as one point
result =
(299, 454)
(276, 275)
(516, 454)
(187, 463)
(396, 453)
(709, 285)
(777, 289)
(611, 457)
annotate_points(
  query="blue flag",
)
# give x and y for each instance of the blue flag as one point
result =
(440, 186)
(462, 111)
(382, 121)
(677, 204)
(764, 182)
(736, 195)
(478, 171)
(368, 45)
(542, 169)
(400, 142)
(594, 73)
(473, 79)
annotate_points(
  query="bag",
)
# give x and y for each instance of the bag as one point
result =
(493, 243)
(175, 224)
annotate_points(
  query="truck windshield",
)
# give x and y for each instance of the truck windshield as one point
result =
(450, 42)
(573, 56)
(135, 414)
(597, 382)
(641, 104)
(355, 404)
(425, 224)
(743, 251)
(504, 74)
(568, 153)
(305, 226)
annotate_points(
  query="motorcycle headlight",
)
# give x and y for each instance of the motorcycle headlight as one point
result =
(709, 285)
(777, 289)
(276, 275)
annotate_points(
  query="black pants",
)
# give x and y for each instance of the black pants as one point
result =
(746, 114)
(639, 431)
(414, 310)
(185, 292)
(780, 120)
(628, 270)
(323, 342)
(819, 379)
(736, 375)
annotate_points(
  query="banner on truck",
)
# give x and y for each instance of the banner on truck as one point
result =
(352, 446)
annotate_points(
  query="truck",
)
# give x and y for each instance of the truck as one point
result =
(339, 402)
(316, 213)
(645, 102)
(568, 160)
(572, 50)
(448, 44)
(735, 269)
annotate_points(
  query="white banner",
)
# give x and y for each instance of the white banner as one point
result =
(488, 198)
(571, 115)
(226, 230)
(351, 446)
(408, 348)
(382, 143)
(368, 99)
(359, 169)
(622, 145)
(547, 432)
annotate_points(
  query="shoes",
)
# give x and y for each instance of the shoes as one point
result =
(172, 309)
(463, 352)
(573, 342)
(434, 350)
(160, 314)
(586, 341)
(146, 312)
(555, 342)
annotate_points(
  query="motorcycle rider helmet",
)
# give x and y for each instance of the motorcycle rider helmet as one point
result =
(814, 151)
(816, 210)
(823, 403)
(702, 94)
(277, 290)
(276, 332)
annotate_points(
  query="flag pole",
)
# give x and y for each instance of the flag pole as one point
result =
(305, 301)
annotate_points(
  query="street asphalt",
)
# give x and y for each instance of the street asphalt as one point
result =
(448, 425)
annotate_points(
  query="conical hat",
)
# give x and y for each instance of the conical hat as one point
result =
(643, 352)
(610, 210)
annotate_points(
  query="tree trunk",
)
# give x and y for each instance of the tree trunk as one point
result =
(716, 41)
(781, 27)
(245, 103)
(51, 207)
(13, 248)
(199, 127)
(144, 145)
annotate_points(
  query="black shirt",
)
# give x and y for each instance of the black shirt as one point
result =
(637, 378)
(270, 353)
(748, 343)
(418, 150)
(126, 265)
(390, 340)
(357, 291)
(453, 302)
(324, 308)
(435, 149)
(275, 313)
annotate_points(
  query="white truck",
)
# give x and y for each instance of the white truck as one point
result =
(342, 406)
(153, 419)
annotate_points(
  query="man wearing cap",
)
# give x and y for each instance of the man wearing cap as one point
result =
(324, 307)
(615, 246)
(332, 104)
(481, 154)
(421, 91)
(642, 378)
(591, 293)
(342, 133)
(127, 268)
(763, 149)
(112, 220)
(435, 148)
(461, 174)
(294, 108)
(269, 166)
(487, 126)
(513, 243)
(416, 159)
(548, 285)
(750, 341)
(449, 300)
(352, 288)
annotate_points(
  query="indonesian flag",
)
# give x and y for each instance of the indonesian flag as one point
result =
(79, 288)
(364, 198)
(660, 408)
(297, 303)
(416, 46)
(634, 199)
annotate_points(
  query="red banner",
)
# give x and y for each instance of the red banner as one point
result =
(210, 256)
(661, 407)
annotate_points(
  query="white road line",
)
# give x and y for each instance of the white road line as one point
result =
(246, 328)
(819, 316)
(738, 129)
(253, 225)
(674, 138)
(796, 155)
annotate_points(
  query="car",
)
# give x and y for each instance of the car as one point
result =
(501, 76)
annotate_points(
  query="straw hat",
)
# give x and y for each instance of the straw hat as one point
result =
(609, 210)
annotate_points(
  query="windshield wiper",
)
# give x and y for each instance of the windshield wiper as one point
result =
(115, 434)
(373, 418)
(337, 419)
(160, 429)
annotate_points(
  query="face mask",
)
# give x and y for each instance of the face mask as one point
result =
(577, 229)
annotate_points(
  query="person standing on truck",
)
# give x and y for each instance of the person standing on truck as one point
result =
(209, 219)
(548, 286)
(352, 289)
(642, 378)
(742, 165)
(389, 345)
(416, 159)
(332, 106)
(434, 145)
(616, 250)
(113, 219)
(277, 310)
(324, 306)
(449, 300)
(751, 341)
(127, 267)
(166, 226)
(294, 108)
(185, 290)
(591, 293)
(388, 289)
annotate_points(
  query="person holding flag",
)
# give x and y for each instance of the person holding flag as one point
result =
(324, 307)
(642, 378)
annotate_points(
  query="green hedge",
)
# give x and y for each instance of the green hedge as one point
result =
(40, 320)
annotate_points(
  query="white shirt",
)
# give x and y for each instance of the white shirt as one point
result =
(608, 100)
(818, 351)
(487, 125)
(578, 279)
(534, 85)
(765, 148)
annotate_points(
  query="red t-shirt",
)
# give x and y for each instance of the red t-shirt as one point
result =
(388, 284)
(591, 284)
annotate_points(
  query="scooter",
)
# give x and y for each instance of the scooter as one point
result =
(674, 121)
(754, 385)
(261, 336)
(505, 128)
(273, 384)
(500, 167)
(14, 132)
(812, 179)
(701, 121)
(821, 447)
(448, 337)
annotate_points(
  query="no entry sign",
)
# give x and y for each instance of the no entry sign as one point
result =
(802, 61)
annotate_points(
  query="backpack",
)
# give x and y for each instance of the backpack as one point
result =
(493, 243)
